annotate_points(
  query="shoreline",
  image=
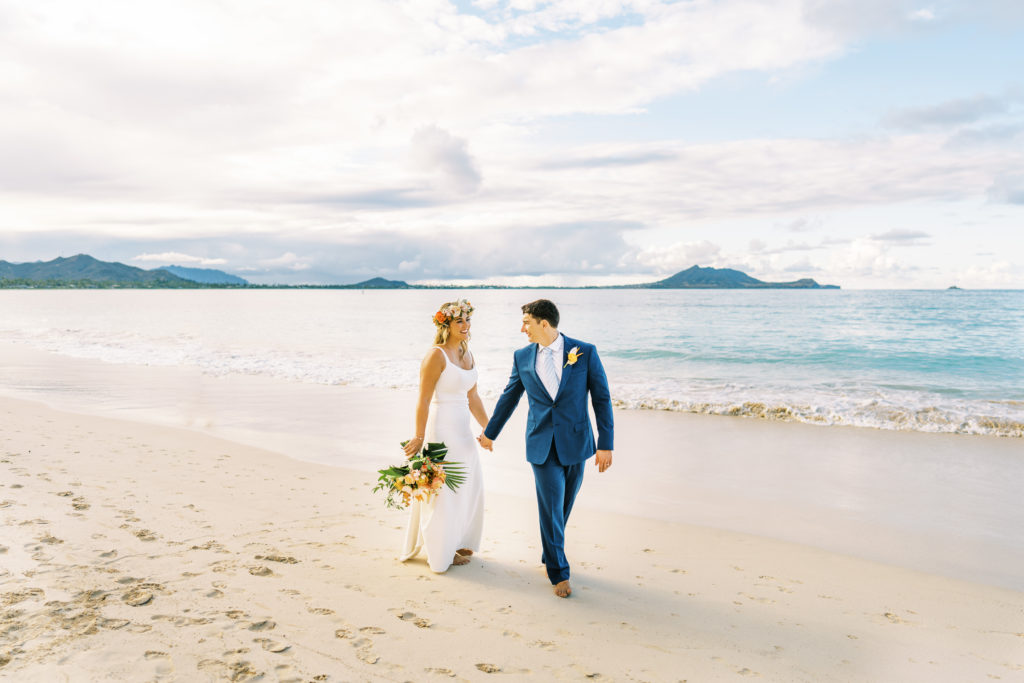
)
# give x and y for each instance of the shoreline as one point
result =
(940, 503)
(141, 551)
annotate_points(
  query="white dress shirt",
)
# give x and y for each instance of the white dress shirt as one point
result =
(557, 347)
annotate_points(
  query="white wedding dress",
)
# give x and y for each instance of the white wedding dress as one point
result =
(453, 520)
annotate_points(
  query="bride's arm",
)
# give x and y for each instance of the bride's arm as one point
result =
(476, 406)
(430, 370)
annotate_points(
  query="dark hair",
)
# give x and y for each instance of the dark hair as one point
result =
(542, 309)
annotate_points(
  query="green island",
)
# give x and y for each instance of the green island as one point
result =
(85, 272)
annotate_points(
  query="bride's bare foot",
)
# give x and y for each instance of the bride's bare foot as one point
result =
(562, 589)
(464, 551)
(460, 560)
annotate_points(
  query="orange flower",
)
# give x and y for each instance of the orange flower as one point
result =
(440, 318)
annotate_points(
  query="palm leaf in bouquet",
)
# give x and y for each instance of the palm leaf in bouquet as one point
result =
(420, 477)
(455, 471)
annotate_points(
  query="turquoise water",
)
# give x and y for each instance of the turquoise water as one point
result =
(941, 361)
(925, 360)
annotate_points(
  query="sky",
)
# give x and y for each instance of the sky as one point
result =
(865, 143)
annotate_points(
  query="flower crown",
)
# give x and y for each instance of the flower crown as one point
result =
(459, 309)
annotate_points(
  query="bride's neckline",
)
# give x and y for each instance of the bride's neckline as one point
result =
(449, 361)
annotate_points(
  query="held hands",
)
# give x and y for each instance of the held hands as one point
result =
(413, 446)
(603, 460)
(485, 442)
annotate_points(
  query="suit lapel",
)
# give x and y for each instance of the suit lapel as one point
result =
(530, 370)
(567, 345)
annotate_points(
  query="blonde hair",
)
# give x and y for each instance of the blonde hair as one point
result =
(463, 309)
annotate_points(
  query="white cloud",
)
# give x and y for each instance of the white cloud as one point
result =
(951, 112)
(997, 275)
(447, 159)
(177, 258)
(925, 14)
(679, 256)
(900, 235)
(286, 261)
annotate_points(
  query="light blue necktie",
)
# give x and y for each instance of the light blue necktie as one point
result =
(549, 374)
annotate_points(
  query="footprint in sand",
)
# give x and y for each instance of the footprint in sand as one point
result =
(545, 645)
(112, 624)
(8, 599)
(364, 646)
(79, 503)
(164, 666)
(420, 622)
(233, 671)
(66, 494)
(137, 598)
(145, 535)
(275, 557)
(260, 570)
(439, 671)
(319, 610)
(488, 668)
(275, 646)
(895, 619)
(265, 625)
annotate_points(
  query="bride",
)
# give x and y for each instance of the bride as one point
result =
(450, 525)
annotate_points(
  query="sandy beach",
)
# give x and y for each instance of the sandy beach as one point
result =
(140, 552)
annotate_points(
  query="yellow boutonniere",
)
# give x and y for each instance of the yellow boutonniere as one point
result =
(574, 355)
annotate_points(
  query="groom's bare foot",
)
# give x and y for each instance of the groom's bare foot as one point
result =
(460, 560)
(464, 551)
(562, 589)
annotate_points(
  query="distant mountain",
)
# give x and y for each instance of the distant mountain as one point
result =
(206, 276)
(725, 278)
(85, 271)
(83, 268)
(380, 283)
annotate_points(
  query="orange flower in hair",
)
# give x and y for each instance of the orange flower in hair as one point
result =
(460, 309)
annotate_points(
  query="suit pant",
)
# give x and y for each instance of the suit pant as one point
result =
(557, 486)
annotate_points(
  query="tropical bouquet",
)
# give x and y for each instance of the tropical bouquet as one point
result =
(420, 478)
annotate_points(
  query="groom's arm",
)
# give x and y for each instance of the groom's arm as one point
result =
(601, 399)
(506, 403)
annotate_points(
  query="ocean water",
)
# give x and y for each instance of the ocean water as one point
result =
(934, 361)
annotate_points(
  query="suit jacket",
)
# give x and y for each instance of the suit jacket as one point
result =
(563, 419)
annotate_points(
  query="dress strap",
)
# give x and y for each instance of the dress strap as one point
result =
(447, 360)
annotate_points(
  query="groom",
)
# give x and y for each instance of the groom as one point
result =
(556, 373)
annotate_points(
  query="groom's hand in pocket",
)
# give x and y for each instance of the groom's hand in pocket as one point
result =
(603, 460)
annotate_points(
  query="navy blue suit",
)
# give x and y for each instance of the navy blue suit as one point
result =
(559, 437)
